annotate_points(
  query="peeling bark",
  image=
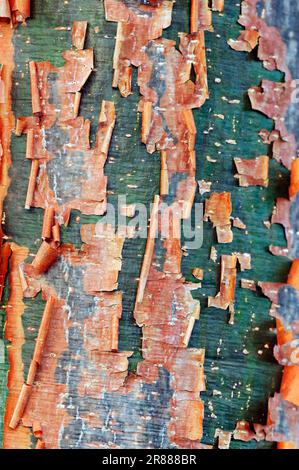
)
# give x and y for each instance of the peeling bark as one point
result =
(164, 305)
(273, 100)
(253, 172)
(65, 173)
(14, 333)
(12, 12)
(80, 322)
(226, 296)
(218, 209)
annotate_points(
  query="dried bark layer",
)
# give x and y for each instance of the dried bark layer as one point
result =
(253, 172)
(76, 360)
(164, 305)
(65, 172)
(218, 209)
(14, 333)
(75, 357)
(12, 12)
(15, 11)
(226, 296)
(273, 100)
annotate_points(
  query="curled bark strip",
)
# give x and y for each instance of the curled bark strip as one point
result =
(2, 94)
(56, 233)
(226, 295)
(32, 183)
(45, 257)
(149, 250)
(37, 429)
(20, 406)
(35, 94)
(30, 144)
(164, 181)
(48, 223)
(192, 46)
(36, 360)
(43, 330)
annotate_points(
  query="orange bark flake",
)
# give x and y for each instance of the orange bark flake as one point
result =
(246, 42)
(218, 209)
(244, 432)
(253, 172)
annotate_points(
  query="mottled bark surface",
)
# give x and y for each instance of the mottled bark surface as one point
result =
(127, 384)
